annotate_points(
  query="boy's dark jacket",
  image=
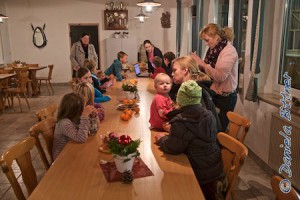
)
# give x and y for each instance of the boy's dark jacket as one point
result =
(194, 132)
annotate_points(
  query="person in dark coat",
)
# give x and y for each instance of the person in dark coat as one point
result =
(152, 51)
(194, 132)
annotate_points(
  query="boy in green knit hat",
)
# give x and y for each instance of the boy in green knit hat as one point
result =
(194, 132)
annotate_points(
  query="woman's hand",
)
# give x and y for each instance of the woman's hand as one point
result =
(200, 62)
(88, 110)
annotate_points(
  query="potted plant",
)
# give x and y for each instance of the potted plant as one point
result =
(125, 150)
(130, 88)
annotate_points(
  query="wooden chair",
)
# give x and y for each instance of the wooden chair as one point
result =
(21, 153)
(46, 129)
(47, 80)
(292, 195)
(238, 126)
(233, 155)
(22, 79)
(25, 68)
(46, 112)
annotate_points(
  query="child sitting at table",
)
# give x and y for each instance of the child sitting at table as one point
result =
(168, 58)
(115, 69)
(104, 80)
(161, 103)
(157, 65)
(87, 91)
(72, 122)
(96, 81)
(84, 76)
(194, 132)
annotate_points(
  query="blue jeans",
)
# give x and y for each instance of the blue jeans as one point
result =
(225, 104)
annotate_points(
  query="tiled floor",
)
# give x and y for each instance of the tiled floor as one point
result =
(253, 183)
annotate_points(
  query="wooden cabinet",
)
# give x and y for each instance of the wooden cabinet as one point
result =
(116, 19)
(114, 45)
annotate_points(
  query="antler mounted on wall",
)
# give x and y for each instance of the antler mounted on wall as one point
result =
(39, 38)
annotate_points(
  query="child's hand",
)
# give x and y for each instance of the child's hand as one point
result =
(167, 127)
(88, 110)
(158, 136)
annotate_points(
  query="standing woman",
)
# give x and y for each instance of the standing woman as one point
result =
(81, 51)
(221, 64)
(152, 51)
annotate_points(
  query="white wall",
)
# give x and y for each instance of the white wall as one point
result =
(57, 15)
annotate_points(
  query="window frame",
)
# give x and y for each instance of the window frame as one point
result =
(282, 50)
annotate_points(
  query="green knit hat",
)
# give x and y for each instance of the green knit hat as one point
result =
(189, 93)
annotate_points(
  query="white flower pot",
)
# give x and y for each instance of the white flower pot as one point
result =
(129, 95)
(124, 166)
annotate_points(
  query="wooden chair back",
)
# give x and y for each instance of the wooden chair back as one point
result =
(238, 126)
(11, 65)
(50, 67)
(21, 153)
(46, 112)
(20, 69)
(22, 80)
(233, 155)
(46, 129)
(292, 195)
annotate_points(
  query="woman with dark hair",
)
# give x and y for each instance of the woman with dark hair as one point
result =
(81, 51)
(152, 51)
(220, 64)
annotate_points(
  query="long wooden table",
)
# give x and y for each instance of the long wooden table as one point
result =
(32, 77)
(76, 173)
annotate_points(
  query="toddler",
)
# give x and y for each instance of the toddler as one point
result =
(161, 103)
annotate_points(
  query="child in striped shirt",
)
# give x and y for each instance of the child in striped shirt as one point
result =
(72, 122)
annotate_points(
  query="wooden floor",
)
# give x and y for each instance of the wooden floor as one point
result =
(254, 183)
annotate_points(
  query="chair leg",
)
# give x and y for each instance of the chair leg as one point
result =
(20, 105)
(51, 87)
(26, 100)
(48, 88)
(29, 88)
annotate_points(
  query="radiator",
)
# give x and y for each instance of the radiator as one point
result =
(276, 151)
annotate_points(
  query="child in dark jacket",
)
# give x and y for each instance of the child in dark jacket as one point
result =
(194, 132)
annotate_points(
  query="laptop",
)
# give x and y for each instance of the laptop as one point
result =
(138, 72)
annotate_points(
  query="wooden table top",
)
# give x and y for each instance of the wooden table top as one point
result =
(29, 68)
(76, 173)
(4, 76)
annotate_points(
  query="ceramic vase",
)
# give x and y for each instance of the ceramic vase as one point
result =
(124, 163)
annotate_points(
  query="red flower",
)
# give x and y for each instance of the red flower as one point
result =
(124, 139)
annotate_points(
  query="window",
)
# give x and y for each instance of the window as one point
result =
(222, 7)
(290, 46)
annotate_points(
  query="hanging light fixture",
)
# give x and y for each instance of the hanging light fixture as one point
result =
(148, 3)
(141, 16)
(3, 16)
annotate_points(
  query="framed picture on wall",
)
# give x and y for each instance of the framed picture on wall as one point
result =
(116, 19)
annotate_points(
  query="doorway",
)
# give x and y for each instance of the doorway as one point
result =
(76, 31)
